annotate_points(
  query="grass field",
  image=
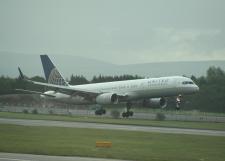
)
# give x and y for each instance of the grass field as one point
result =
(125, 145)
(100, 119)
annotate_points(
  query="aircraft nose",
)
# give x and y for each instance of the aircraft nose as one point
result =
(196, 88)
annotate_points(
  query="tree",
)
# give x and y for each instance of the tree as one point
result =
(76, 80)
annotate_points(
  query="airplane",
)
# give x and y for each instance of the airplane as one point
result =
(152, 91)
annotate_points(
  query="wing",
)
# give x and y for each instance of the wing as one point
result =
(68, 89)
(88, 94)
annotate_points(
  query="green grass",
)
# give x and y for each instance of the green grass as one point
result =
(172, 111)
(100, 119)
(125, 145)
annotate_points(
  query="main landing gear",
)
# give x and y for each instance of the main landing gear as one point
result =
(100, 111)
(128, 112)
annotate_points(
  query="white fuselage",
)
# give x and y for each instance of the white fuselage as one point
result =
(136, 89)
(147, 88)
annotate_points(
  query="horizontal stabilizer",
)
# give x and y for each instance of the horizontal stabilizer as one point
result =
(34, 92)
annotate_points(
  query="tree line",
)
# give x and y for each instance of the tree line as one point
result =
(210, 98)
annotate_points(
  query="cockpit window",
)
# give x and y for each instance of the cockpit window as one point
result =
(187, 82)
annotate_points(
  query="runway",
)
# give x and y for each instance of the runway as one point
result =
(25, 122)
(31, 157)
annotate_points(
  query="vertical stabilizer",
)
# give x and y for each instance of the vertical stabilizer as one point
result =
(52, 75)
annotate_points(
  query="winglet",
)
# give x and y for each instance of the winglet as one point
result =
(21, 74)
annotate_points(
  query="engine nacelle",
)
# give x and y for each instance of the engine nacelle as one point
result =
(155, 102)
(107, 98)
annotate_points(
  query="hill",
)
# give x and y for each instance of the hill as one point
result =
(68, 65)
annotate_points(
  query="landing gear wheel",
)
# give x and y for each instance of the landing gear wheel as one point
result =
(124, 114)
(128, 112)
(103, 111)
(178, 107)
(100, 111)
(131, 113)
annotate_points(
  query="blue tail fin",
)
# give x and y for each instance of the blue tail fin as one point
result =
(52, 75)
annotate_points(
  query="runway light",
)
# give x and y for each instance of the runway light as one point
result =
(104, 144)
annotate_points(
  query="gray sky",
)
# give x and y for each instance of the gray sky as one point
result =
(116, 31)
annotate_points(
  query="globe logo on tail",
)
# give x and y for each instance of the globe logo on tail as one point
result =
(56, 78)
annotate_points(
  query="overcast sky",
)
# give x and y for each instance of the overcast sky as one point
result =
(116, 31)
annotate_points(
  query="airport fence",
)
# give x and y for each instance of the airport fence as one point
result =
(137, 115)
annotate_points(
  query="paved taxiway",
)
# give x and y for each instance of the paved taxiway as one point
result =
(25, 122)
(31, 157)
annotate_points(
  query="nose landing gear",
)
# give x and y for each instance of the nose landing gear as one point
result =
(178, 102)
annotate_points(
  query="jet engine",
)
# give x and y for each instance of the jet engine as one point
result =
(107, 98)
(155, 102)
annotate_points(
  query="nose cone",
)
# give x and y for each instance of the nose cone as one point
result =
(196, 88)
